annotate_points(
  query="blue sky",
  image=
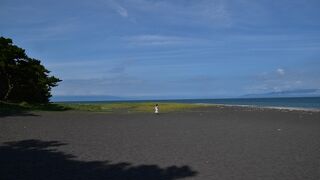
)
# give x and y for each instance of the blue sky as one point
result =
(170, 48)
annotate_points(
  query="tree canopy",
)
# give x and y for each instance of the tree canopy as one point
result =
(23, 78)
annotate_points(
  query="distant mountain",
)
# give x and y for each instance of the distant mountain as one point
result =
(290, 93)
(86, 98)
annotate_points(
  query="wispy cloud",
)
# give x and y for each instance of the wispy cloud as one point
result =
(150, 39)
(55, 31)
(282, 49)
(191, 12)
(117, 85)
(282, 80)
(277, 42)
(123, 12)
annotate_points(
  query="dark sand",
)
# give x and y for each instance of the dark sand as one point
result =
(210, 144)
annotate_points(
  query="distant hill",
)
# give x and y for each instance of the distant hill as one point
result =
(86, 98)
(291, 93)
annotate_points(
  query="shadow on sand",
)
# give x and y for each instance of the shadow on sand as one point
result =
(35, 159)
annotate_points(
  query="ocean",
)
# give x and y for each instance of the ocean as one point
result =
(291, 102)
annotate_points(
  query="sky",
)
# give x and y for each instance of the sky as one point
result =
(170, 48)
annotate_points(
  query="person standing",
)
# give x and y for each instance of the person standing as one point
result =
(156, 109)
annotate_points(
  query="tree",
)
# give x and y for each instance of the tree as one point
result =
(23, 78)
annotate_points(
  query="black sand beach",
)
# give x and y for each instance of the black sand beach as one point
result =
(223, 143)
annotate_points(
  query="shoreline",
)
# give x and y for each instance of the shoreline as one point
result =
(310, 104)
(264, 107)
(140, 107)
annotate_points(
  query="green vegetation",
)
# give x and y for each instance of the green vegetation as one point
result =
(24, 106)
(12, 108)
(131, 107)
(23, 78)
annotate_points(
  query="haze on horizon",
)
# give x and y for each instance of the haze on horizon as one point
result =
(170, 49)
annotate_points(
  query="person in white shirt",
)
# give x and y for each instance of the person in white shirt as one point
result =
(156, 109)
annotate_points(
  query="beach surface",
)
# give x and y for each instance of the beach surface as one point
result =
(223, 143)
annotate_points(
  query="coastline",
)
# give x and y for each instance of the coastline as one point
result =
(264, 107)
(140, 107)
(284, 103)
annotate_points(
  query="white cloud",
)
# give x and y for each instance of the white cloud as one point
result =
(280, 72)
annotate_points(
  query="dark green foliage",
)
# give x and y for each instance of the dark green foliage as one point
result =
(23, 78)
(23, 108)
